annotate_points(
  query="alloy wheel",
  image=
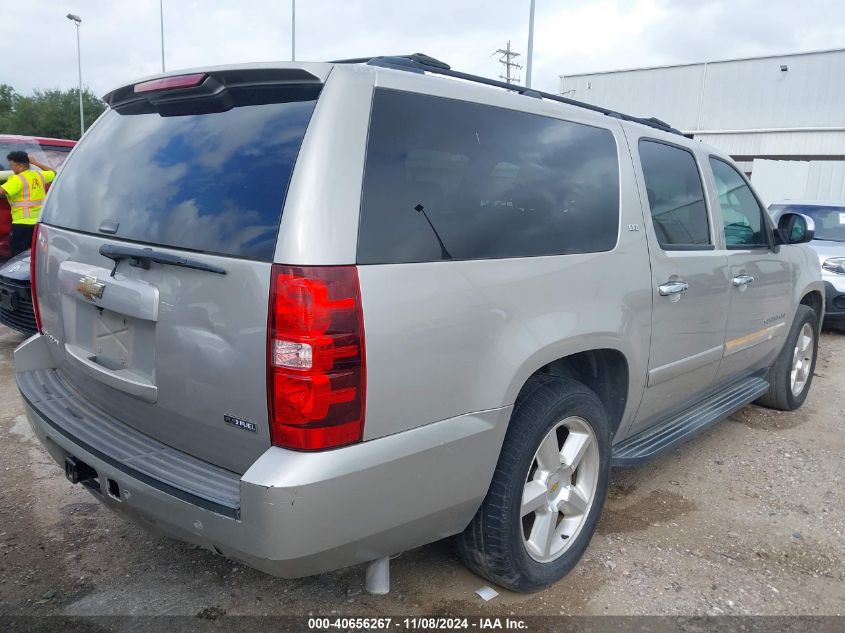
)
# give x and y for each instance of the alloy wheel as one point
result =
(559, 489)
(802, 360)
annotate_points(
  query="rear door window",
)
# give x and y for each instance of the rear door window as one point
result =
(675, 196)
(448, 179)
(213, 183)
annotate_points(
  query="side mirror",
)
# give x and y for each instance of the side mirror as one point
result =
(795, 228)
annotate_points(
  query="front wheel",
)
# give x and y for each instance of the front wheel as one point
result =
(548, 489)
(792, 374)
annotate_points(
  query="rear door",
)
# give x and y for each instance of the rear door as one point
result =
(689, 279)
(157, 245)
(760, 279)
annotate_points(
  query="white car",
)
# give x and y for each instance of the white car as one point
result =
(829, 243)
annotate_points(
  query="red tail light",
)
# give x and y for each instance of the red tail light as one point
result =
(316, 368)
(170, 83)
(37, 250)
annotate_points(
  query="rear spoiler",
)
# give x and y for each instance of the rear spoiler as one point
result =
(213, 92)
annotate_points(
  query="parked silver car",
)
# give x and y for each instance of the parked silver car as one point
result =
(829, 244)
(310, 315)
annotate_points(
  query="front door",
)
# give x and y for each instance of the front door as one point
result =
(689, 278)
(760, 292)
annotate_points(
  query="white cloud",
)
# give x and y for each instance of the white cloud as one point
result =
(597, 35)
(120, 39)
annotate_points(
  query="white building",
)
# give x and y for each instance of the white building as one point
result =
(781, 117)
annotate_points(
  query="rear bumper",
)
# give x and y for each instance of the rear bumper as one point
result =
(291, 514)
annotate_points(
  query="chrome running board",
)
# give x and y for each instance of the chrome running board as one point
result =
(664, 435)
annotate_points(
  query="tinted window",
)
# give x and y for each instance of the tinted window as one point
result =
(51, 155)
(448, 179)
(55, 155)
(6, 148)
(675, 195)
(829, 220)
(742, 216)
(206, 182)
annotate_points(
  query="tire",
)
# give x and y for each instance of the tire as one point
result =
(497, 544)
(781, 394)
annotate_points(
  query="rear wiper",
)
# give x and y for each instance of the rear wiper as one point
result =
(143, 257)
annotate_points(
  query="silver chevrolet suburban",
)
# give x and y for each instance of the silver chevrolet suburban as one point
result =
(309, 315)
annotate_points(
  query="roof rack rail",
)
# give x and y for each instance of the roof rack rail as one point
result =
(420, 63)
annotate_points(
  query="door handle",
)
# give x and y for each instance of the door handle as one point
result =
(671, 288)
(740, 281)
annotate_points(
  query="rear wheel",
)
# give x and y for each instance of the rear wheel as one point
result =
(792, 374)
(548, 489)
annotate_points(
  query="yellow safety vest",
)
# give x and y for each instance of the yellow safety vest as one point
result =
(26, 207)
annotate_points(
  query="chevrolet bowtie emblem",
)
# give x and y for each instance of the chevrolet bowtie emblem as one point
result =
(90, 288)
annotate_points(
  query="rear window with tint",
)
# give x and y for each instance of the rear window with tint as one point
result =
(55, 155)
(6, 148)
(52, 155)
(213, 183)
(448, 179)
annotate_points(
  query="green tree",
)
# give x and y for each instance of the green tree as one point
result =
(47, 112)
(7, 105)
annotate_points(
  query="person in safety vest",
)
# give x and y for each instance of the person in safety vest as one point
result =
(25, 190)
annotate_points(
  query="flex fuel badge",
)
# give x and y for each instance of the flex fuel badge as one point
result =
(246, 425)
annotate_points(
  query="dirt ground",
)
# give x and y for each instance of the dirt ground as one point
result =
(748, 518)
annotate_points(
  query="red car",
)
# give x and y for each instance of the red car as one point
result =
(51, 151)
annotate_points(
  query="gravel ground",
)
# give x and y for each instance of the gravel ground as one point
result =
(748, 518)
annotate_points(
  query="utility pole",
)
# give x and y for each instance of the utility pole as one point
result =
(77, 21)
(530, 45)
(161, 22)
(507, 57)
(293, 30)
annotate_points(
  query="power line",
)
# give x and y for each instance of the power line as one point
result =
(471, 61)
(507, 57)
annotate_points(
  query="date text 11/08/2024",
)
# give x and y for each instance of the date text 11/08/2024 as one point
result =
(417, 623)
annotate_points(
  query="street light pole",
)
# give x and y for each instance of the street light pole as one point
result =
(293, 30)
(161, 18)
(530, 46)
(77, 21)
